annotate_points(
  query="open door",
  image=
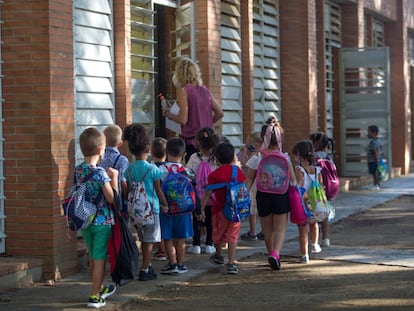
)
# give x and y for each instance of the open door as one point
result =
(365, 100)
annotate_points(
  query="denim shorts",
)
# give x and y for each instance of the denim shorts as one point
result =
(96, 238)
(176, 227)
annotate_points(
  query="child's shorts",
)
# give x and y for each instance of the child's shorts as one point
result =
(96, 239)
(150, 233)
(176, 227)
(372, 168)
(224, 230)
(269, 203)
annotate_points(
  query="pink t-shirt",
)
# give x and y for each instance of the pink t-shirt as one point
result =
(200, 112)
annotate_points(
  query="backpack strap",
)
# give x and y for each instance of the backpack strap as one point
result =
(116, 160)
(85, 179)
(224, 184)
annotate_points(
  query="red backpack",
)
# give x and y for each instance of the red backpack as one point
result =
(330, 177)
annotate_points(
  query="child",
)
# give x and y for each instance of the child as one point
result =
(305, 173)
(374, 150)
(272, 208)
(175, 229)
(159, 156)
(254, 142)
(225, 231)
(97, 234)
(113, 158)
(207, 142)
(321, 143)
(139, 145)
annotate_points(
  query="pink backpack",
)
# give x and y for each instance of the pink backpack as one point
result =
(330, 177)
(203, 170)
(273, 172)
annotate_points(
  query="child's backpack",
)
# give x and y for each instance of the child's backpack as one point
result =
(330, 177)
(237, 205)
(140, 208)
(319, 205)
(79, 212)
(273, 172)
(203, 170)
(178, 191)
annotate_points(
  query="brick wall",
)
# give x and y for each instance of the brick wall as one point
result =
(38, 127)
(298, 70)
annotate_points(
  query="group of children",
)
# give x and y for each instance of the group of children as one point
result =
(214, 160)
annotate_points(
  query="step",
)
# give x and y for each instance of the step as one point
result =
(18, 272)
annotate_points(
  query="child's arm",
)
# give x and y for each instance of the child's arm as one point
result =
(204, 200)
(161, 196)
(251, 176)
(109, 187)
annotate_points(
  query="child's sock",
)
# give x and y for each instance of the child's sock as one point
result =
(273, 253)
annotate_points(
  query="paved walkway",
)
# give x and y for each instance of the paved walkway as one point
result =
(72, 292)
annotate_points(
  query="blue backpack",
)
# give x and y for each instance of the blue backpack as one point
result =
(178, 191)
(237, 205)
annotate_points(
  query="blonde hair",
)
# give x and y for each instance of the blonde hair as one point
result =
(90, 141)
(255, 136)
(113, 134)
(187, 72)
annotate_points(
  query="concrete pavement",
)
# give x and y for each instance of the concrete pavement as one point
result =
(71, 293)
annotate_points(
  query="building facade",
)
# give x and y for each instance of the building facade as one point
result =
(330, 65)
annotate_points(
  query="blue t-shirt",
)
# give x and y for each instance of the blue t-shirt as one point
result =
(136, 171)
(94, 192)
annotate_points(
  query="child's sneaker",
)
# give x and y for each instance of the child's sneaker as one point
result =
(210, 249)
(217, 259)
(232, 268)
(106, 291)
(260, 236)
(95, 302)
(248, 236)
(195, 249)
(160, 256)
(304, 259)
(316, 248)
(182, 269)
(274, 263)
(170, 269)
(147, 276)
(326, 242)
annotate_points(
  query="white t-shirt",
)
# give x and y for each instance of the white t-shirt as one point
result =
(307, 179)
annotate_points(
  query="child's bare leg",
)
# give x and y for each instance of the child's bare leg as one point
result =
(146, 254)
(303, 238)
(279, 231)
(314, 232)
(231, 252)
(98, 272)
(325, 229)
(268, 232)
(171, 253)
(180, 250)
(252, 225)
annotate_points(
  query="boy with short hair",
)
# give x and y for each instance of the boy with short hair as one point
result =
(175, 229)
(113, 158)
(225, 231)
(374, 150)
(100, 191)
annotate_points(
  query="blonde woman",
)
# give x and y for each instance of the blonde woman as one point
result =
(198, 107)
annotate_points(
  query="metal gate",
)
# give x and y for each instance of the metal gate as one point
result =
(365, 101)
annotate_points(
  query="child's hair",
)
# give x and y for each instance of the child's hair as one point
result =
(113, 134)
(159, 147)
(222, 139)
(187, 72)
(176, 147)
(91, 140)
(207, 139)
(374, 129)
(272, 136)
(321, 140)
(304, 149)
(137, 137)
(255, 136)
(224, 153)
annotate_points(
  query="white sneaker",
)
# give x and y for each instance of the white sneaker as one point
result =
(304, 259)
(209, 249)
(326, 242)
(195, 249)
(316, 248)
